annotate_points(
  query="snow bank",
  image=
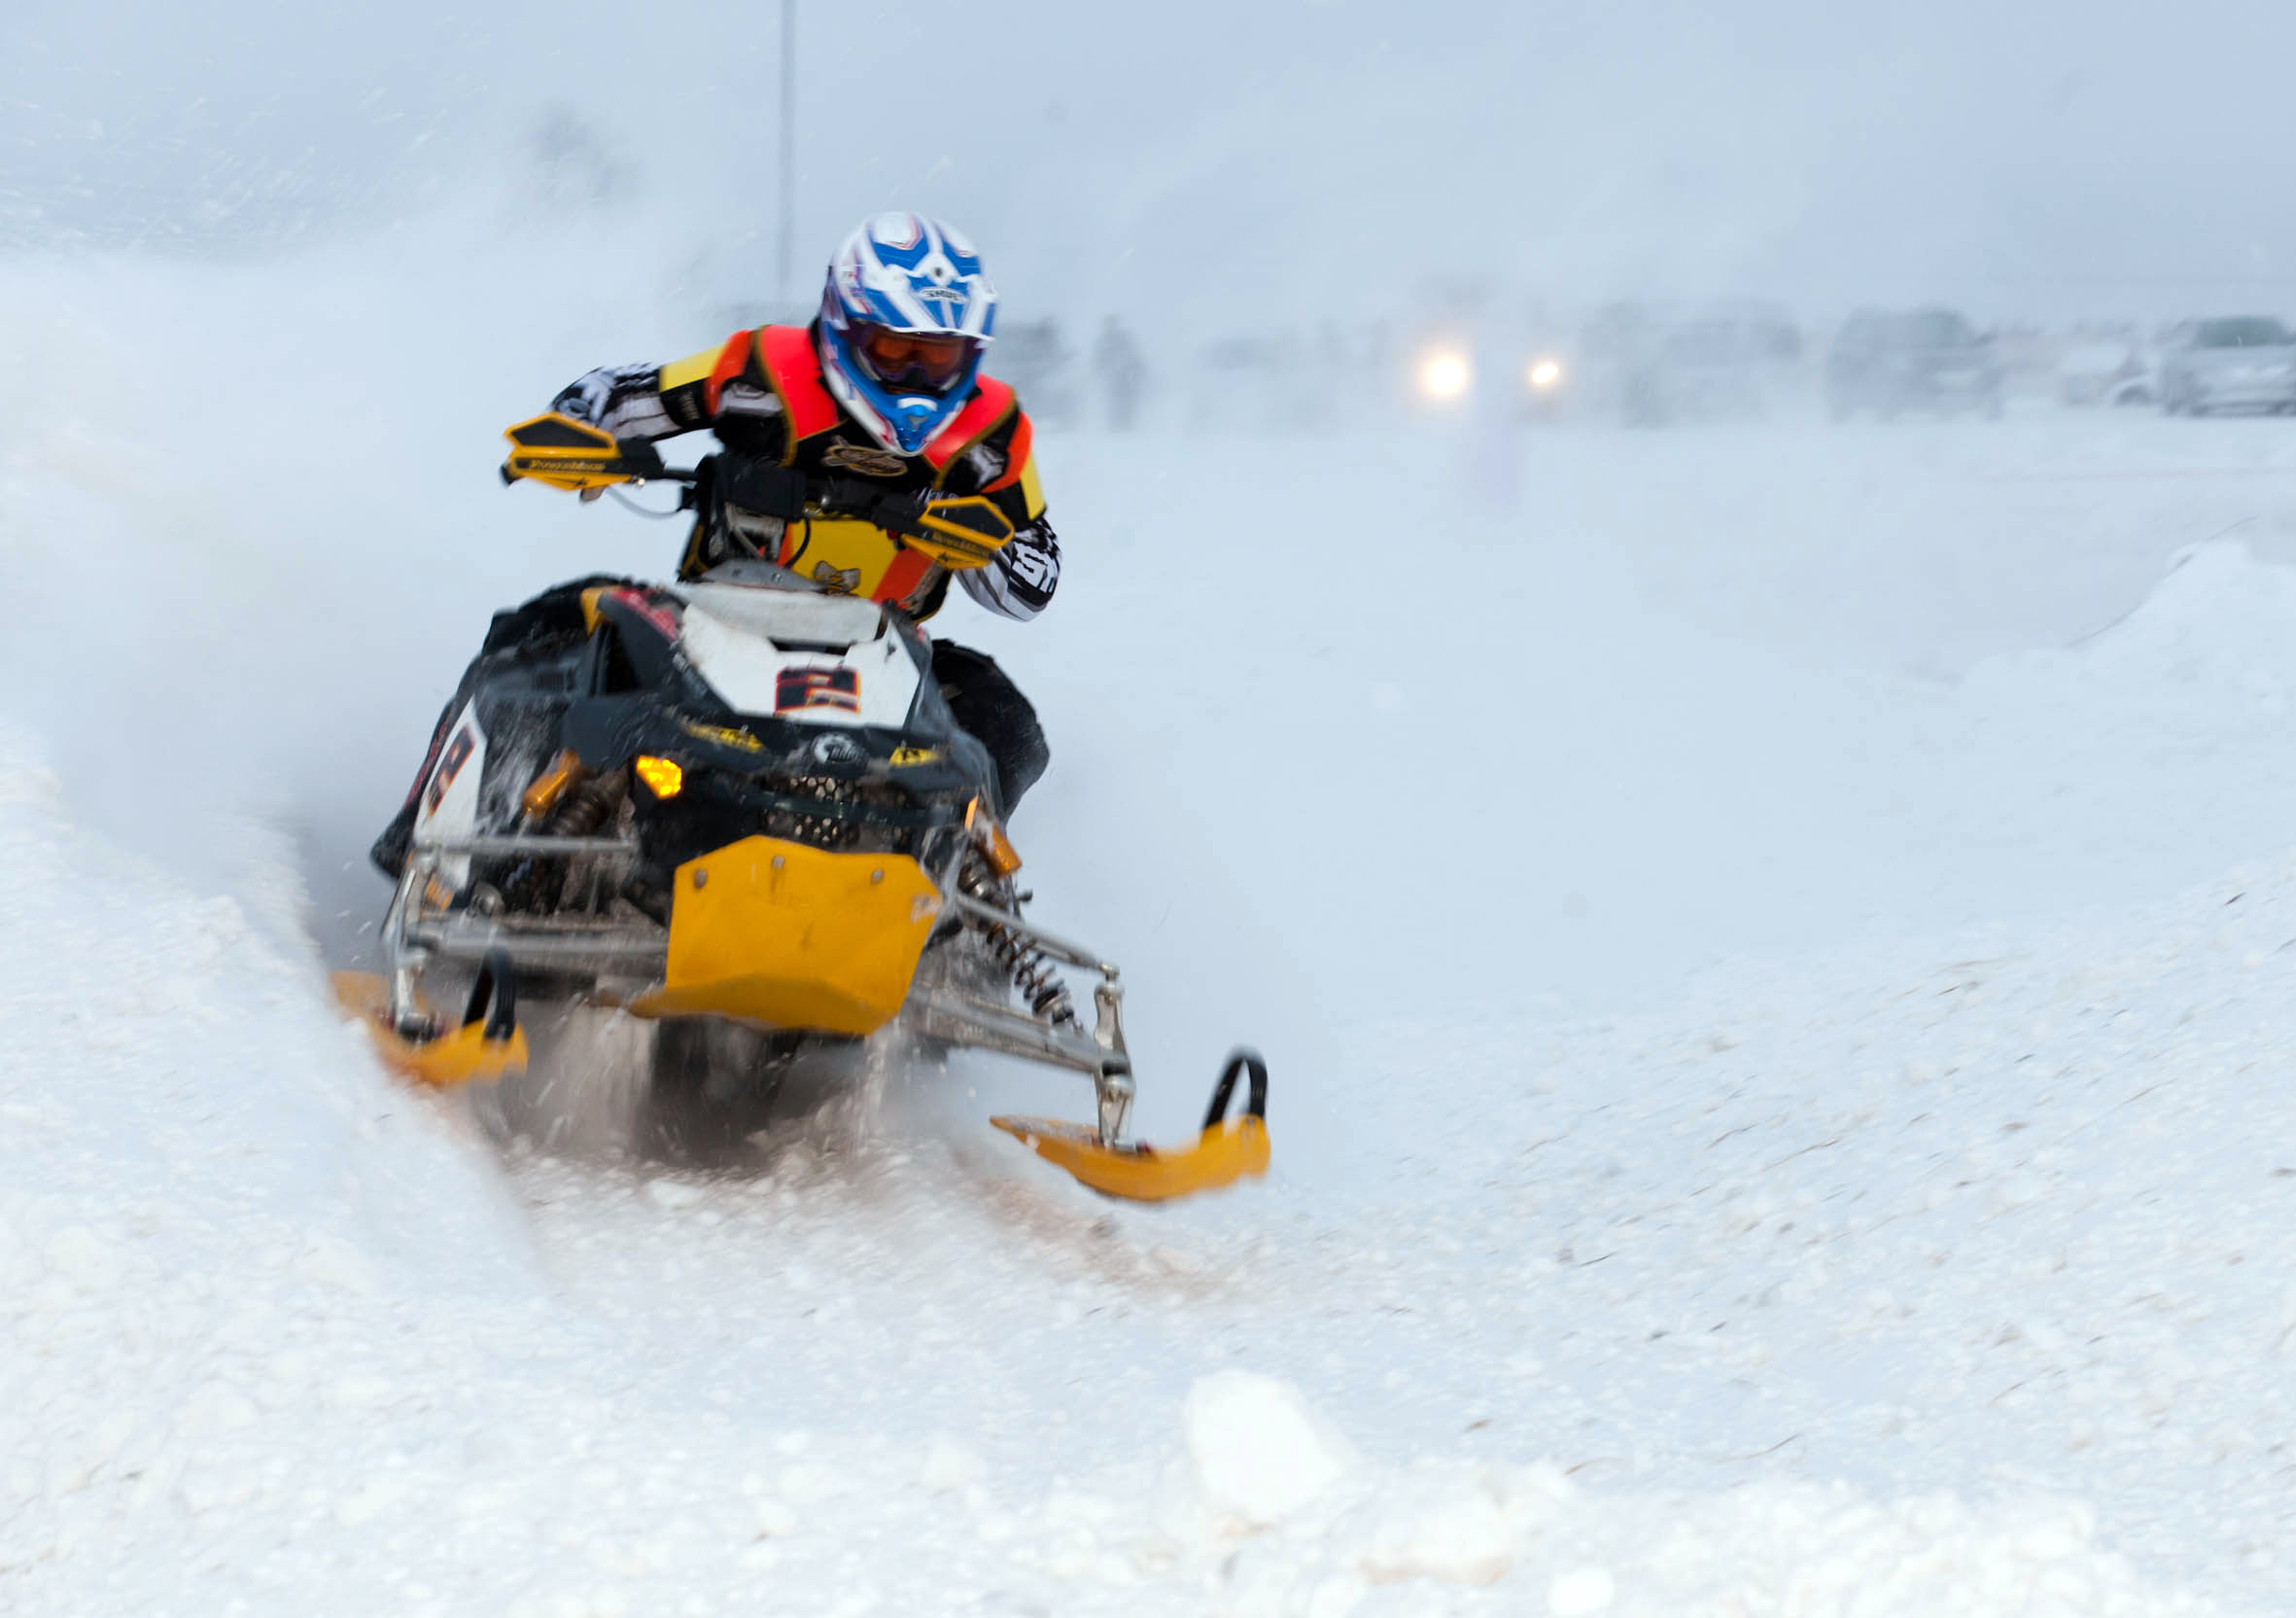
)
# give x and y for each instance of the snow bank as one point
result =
(2202, 664)
(2021, 1196)
(270, 1341)
(1451, 1537)
(213, 1210)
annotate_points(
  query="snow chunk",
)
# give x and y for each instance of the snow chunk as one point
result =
(1582, 1591)
(375, 1498)
(1259, 1450)
(1453, 1528)
(673, 1195)
(83, 1258)
(949, 1467)
(328, 1260)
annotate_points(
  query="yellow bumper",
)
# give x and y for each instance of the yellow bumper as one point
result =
(776, 933)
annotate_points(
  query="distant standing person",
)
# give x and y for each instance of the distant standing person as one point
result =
(1122, 373)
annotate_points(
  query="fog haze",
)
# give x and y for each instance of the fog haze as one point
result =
(1220, 166)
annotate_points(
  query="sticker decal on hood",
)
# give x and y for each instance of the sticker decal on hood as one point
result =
(835, 686)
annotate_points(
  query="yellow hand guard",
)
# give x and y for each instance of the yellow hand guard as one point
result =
(961, 532)
(570, 454)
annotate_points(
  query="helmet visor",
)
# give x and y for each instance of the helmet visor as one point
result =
(922, 362)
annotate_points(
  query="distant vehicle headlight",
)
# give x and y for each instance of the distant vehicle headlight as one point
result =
(1545, 376)
(1444, 374)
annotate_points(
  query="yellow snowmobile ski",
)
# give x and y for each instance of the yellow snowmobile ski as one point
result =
(1227, 1150)
(488, 1044)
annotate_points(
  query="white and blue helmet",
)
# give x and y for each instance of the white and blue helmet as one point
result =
(904, 318)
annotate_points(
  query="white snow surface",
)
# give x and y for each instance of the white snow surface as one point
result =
(1779, 1074)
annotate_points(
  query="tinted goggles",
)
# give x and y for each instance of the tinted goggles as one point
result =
(928, 360)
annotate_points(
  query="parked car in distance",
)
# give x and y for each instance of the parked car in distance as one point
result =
(1723, 361)
(2105, 372)
(2232, 362)
(1931, 360)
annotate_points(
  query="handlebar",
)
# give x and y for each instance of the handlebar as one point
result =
(619, 470)
(961, 531)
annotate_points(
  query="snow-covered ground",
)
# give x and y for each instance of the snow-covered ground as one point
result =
(1779, 1052)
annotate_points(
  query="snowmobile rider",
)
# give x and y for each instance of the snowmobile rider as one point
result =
(881, 395)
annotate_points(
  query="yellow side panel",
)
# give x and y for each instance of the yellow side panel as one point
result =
(844, 554)
(1031, 491)
(776, 933)
(692, 368)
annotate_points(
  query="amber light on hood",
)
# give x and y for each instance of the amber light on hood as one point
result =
(665, 777)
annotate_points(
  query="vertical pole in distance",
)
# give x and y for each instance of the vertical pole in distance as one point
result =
(788, 146)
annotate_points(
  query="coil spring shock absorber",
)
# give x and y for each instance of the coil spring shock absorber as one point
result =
(589, 805)
(584, 811)
(1032, 973)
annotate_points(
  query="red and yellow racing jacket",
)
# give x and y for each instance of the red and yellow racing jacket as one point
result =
(762, 392)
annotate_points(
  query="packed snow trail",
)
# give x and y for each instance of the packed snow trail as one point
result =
(1846, 1270)
(273, 1343)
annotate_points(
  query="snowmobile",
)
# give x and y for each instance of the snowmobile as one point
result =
(738, 808)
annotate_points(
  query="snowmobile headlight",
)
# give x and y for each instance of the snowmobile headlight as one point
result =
(663, 777)
(1444, 374)
(1545, 376)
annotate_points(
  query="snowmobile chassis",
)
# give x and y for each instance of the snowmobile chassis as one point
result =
(500, 952)
(414, 933)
